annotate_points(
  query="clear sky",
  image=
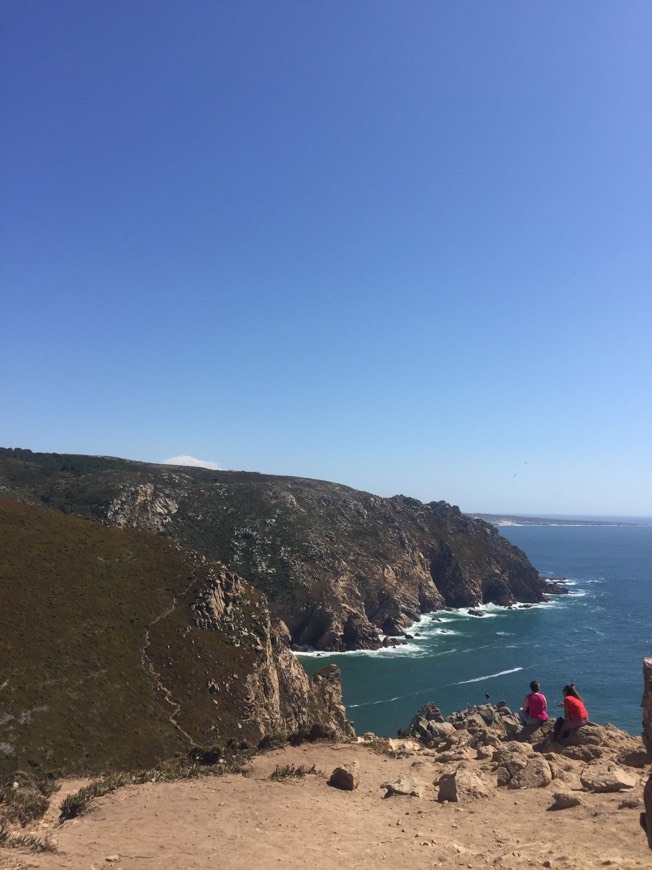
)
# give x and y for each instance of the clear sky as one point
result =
(405, 246)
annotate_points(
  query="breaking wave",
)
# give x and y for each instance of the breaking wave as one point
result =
(487, 677)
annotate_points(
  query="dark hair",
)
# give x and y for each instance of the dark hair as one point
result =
(569, 689)
(535, 686)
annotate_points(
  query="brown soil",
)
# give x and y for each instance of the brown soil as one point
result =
(250, 821)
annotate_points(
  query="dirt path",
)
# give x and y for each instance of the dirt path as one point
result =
(239, 822)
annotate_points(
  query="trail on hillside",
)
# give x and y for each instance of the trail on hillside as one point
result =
(148, 666)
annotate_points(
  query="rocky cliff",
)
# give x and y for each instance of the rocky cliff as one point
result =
(646, 703)
(338, 566)
(119, 649)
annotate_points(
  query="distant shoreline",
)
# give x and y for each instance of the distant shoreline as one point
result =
(512, 520)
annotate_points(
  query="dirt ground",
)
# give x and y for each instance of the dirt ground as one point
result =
(236, 821)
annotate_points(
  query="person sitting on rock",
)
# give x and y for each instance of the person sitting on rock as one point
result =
(575, 714)
(533, 710)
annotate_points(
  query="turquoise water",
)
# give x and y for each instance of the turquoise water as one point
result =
(595, 637)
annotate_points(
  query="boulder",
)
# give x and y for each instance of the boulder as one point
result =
(536, 774)
(346, 777)
(408, 786)
(633, 757)
(464, 785)
(564, 800)
(512, 757)
(607, 778)
(425, 725)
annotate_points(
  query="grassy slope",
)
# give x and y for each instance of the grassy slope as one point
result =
(77, 601)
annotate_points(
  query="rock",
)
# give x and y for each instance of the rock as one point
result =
(633, 757)
(563, 800)
(346, 777)
(646, 817)
(646, 704)
(426, 725)
(606, 778)
(487, 714)
(536, 774)
(409, 786)
(475, 722)
(518, 766)
(464, 785)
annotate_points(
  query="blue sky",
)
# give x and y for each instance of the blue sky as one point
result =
(401, 246)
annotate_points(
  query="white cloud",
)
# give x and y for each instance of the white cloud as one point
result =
(190, 460)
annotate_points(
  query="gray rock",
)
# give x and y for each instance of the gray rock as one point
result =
(607, 778)
(536, 774)
(408, 786)
(464, 785)
(563, 800)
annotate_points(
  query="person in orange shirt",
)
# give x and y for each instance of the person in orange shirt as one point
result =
(575, 713)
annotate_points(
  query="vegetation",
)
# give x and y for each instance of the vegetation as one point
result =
(25, 797)
(289, 771)
(172, 770)
(320, 552)
(25, 841)
(102, 664)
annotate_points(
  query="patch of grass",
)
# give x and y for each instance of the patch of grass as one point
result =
(629, 804)
(77, 804)
(171, 770)
(380, 746)
(25, 797)
(289, 771)
(25, 841)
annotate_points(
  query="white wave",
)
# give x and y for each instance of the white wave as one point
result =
(403, 649)
(373, 703)
(505, 633)
(488, 677)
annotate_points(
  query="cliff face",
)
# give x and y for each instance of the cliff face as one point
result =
(646, 817)
(119, 649)
(337, 565)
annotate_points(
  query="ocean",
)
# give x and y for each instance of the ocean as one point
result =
(596, 637)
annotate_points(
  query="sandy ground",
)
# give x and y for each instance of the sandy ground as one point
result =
(250, 821)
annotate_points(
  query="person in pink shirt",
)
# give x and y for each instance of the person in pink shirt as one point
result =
(533, 709)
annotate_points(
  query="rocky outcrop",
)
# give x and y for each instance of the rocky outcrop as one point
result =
(338, 566)
(485, 748)
(646, 703)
